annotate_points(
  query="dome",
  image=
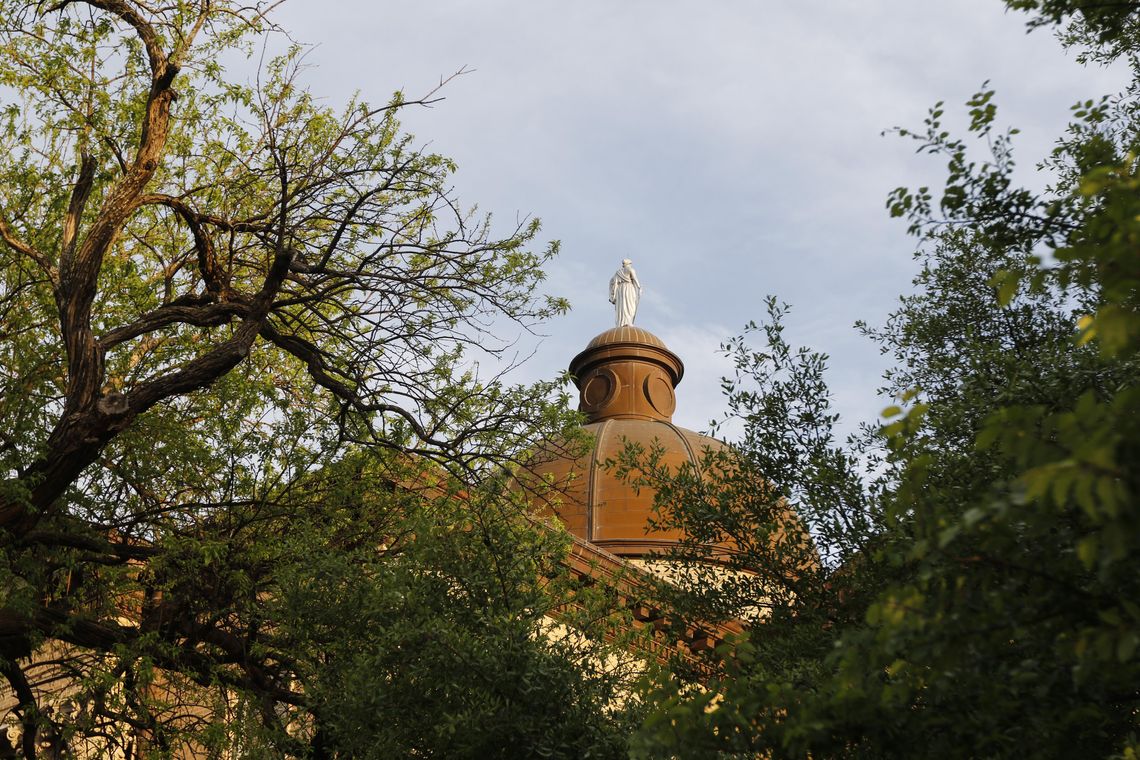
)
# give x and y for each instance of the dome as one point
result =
(598, 505)
(626, 334)
(626, 378)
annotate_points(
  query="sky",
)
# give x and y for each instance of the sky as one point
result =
(731, 148)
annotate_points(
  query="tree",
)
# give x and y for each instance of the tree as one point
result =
(427, 645)
(220, 304)
(1000, 617)
(778, 531)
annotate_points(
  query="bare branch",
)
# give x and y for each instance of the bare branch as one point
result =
(208, 315)
(142, 28)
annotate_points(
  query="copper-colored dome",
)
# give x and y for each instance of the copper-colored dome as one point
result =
(627, 372)
(625, 377)
(597, 504)
(626, 334)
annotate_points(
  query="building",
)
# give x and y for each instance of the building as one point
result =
(626, 378)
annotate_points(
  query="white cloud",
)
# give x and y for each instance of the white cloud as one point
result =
(731, 148)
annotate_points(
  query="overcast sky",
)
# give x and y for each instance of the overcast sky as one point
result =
(731, 148)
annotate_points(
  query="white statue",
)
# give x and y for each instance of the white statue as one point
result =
(625, 292)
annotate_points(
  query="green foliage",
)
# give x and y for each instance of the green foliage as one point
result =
(426, 642)
(996, 590)
(774, 528)
(1103, 31)
(250, 474)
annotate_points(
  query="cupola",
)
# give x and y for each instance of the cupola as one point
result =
(626, 378)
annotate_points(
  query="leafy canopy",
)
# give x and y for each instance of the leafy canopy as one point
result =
(990, 607)
(250, 493)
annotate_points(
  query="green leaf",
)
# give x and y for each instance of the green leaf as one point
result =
(1126, 646)
(1087, 551)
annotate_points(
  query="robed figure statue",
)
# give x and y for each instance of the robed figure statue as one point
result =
(625, 292)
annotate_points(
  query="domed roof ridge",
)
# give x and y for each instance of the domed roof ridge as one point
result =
(626, 378)
(680, 431)
(592, 476)
(626, 334)
(599, 504)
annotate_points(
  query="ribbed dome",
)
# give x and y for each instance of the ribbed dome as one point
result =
(626, 377)
(626, 334)
(601, 507)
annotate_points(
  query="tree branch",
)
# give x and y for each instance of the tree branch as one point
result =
(142, 27)
(210, 315)
(23, 248)
(26, 705)
(319, 372)
(79, 195)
